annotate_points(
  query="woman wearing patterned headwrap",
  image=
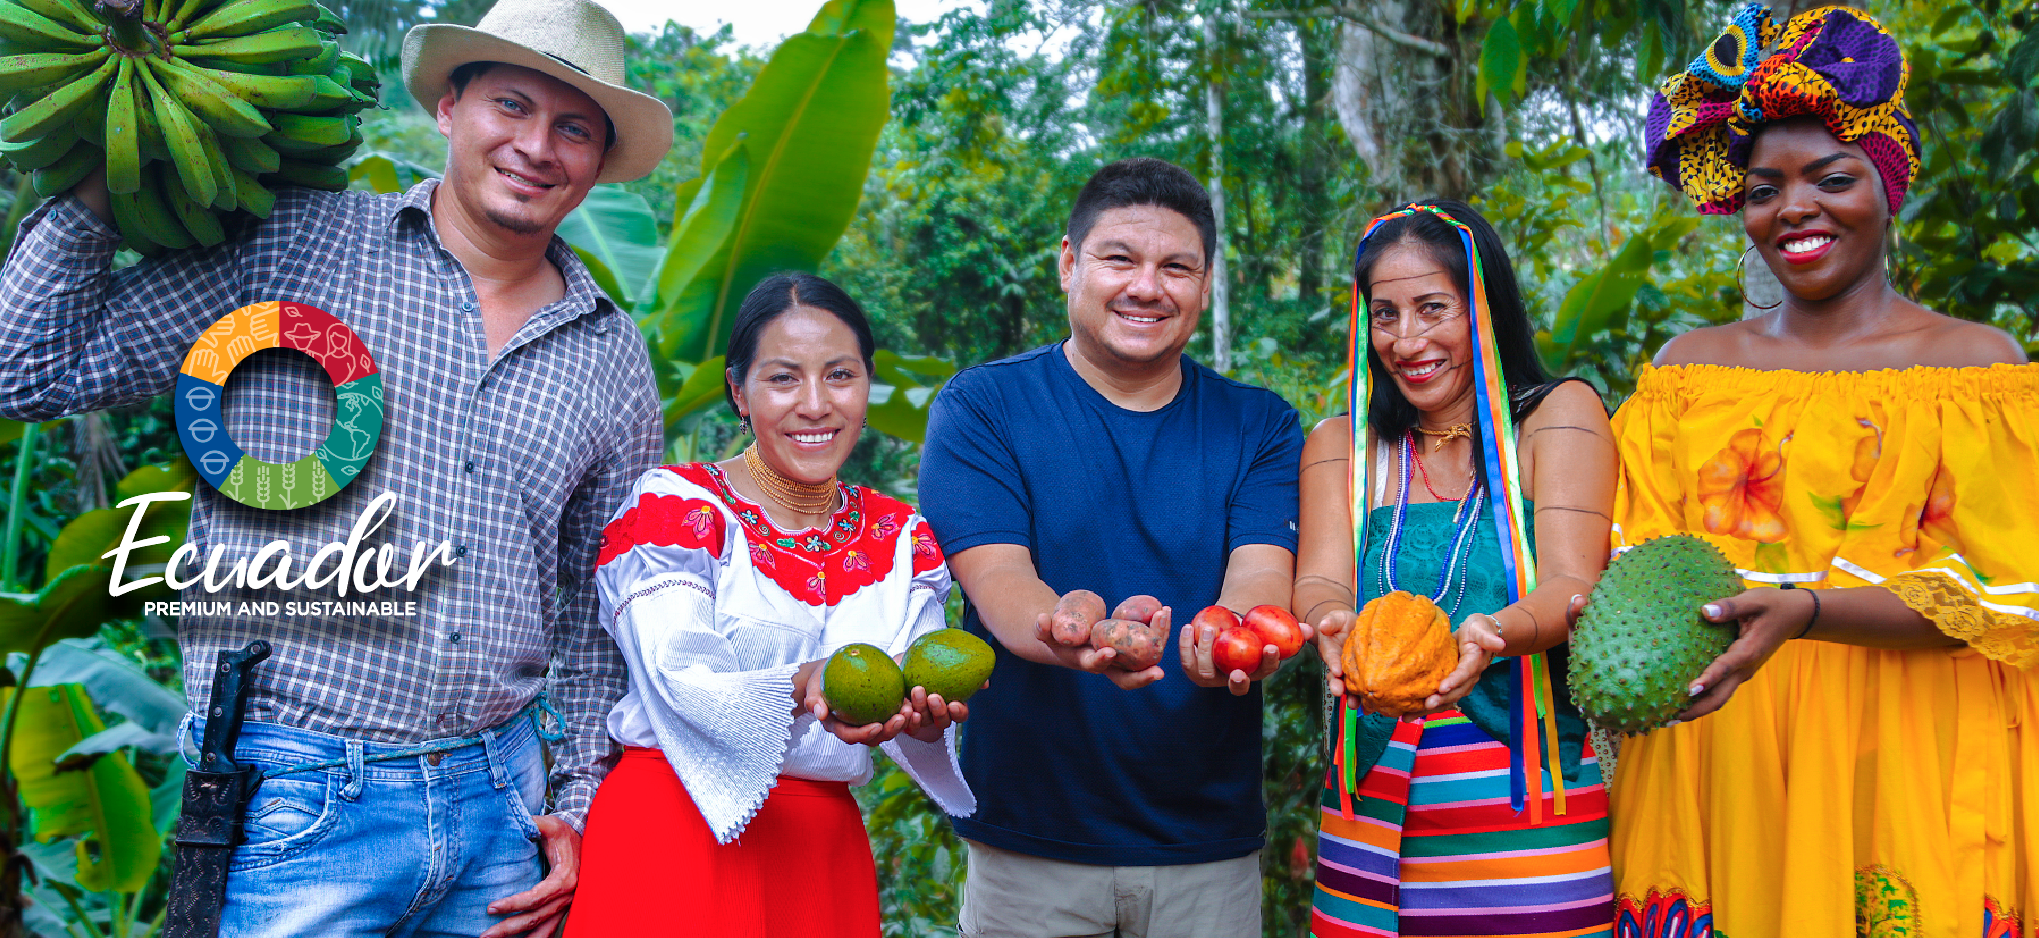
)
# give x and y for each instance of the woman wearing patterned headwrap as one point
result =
(1865, 757)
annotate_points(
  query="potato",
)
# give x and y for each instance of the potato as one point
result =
(1138, 609)
(1138, 646)
(1074, 616)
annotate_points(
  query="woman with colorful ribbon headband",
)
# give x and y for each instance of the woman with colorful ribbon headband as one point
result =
(1862, 758)
(1483, 815)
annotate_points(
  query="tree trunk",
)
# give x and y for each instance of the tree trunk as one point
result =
(1310, 178)
(1221, 288)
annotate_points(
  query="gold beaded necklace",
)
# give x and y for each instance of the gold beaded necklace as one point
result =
(805, 498)
(1447, 434)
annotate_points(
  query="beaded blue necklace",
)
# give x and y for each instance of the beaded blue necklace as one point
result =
(1452, 579)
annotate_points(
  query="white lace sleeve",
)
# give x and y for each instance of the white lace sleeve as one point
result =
(724, 729)
(932, 766)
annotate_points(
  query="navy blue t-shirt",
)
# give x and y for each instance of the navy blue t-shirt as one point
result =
(1066, 765)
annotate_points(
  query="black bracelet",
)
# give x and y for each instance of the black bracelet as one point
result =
(1815, 594)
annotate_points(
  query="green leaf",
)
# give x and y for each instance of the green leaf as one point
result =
(72, 606)
(385, 173)
(900, 411)
(91, 535)
(810, 123)
(104, 805)
(616, 226)
(10, 430)
(702, 389)
(1503, 70)
(113, 679)
(176, 475)
(709, 215)
(605, 280)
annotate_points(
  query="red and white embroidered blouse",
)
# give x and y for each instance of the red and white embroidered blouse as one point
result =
(714, 608)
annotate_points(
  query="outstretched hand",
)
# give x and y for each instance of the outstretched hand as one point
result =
(1196, 644)
(1768, 617)
(1331, 633)
(1097, 660)
(929, 716)
(1479, 640)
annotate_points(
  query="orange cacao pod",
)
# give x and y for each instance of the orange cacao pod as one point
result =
(1398, 652)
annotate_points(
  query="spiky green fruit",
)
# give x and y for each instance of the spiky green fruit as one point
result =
(1643, 637)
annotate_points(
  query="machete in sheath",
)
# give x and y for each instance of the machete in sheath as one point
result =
(216, 796)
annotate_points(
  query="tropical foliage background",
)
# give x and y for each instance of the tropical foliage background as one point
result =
(928, 167)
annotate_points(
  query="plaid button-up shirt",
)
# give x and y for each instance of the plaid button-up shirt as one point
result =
(518, 460)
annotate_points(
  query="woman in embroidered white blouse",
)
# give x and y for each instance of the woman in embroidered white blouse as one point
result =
(726, 585)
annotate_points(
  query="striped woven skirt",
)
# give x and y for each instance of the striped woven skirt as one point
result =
(1433, 849)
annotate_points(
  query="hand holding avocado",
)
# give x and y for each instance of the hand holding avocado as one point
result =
(863, 696)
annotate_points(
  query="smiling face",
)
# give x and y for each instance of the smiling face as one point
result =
(1816, 210)
(522, 148)
(806, 394)
(1136, 286)
(1421, 330)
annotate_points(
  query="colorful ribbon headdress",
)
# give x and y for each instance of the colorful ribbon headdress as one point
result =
(1834, 63)
(1532, 714)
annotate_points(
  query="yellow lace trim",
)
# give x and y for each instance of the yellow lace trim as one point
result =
(2013, 640)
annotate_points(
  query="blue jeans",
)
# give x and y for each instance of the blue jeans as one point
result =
(407, 847)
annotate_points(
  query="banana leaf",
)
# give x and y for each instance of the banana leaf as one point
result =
(708, 214)
(113, 679)
(72, 606)
(702, 389)
(616, 226)
(809, 124)
(103, 803)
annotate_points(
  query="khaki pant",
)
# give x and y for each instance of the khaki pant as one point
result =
(1013, 895)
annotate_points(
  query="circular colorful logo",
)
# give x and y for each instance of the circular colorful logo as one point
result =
(357, 420)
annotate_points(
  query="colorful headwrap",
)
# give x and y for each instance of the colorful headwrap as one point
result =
(1531, 710)
(1834, 63)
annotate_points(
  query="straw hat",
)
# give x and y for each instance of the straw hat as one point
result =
(575, 41)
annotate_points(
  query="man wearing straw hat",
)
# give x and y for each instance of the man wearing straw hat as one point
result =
(404, 788)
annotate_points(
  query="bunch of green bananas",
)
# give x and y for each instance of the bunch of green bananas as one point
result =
(195, 107)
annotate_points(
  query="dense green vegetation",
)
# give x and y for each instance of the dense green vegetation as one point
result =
(1325, 114)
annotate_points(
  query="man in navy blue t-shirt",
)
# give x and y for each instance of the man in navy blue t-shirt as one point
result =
(1115, 801)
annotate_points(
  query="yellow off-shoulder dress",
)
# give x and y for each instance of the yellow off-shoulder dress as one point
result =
(1844, 790)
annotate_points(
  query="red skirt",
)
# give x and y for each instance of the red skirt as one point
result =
(650, 866)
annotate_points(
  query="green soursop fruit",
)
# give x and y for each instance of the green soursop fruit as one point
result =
(1643, 638)
(862, 685)
(949, 662)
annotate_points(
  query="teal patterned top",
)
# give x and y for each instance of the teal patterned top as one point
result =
(1426, 538)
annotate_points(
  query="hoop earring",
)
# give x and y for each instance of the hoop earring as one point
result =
(1742, 280)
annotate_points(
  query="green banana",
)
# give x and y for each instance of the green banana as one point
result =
(252, 156)
(90, 130)
(279, 92)
(276, 45)
(37, 69)
(312, 175)
(216, 161)
(222, 109)
(319, 64)
(67, 12)
(153, 147)
(68, 170)
(198, 221)
(38, 31)
(301, 132)
(329, 22)
(58, 107)
(252, 195)
(144, 213)
(241, 17)
(332, 96)
(40, 152)
(330, 156)
(180, 136)
(123, 134)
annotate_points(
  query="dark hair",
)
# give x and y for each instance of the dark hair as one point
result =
(1390, 414)
(469, 71)
(1143, 181)
(770, 299)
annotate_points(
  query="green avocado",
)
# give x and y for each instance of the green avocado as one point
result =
(949, 662)
(862, 685)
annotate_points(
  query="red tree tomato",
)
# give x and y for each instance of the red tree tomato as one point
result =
(1237, 650)
(1277, 627)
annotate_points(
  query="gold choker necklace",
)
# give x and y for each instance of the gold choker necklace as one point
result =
(1447, 434)
(805, 498)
